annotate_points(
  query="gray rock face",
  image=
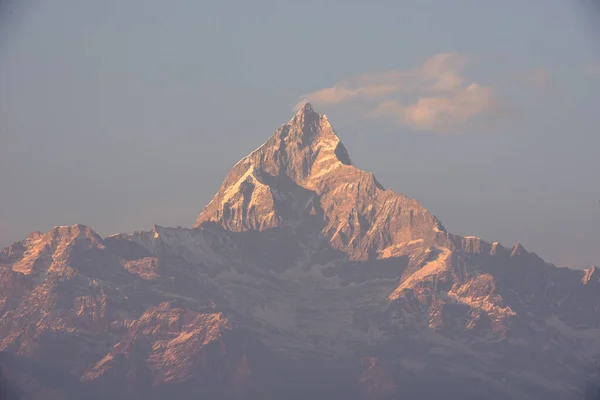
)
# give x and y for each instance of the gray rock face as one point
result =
(303, 278)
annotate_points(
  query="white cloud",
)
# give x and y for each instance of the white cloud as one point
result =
(444, 114)
(341, 94)
(443, 98)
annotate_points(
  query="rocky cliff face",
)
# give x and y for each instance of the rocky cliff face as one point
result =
(302, 278)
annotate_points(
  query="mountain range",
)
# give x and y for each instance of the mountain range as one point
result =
(302, 278)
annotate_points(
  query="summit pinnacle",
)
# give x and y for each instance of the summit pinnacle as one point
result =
(306, 161)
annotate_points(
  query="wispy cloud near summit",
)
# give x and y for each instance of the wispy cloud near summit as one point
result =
(444, 113)
(436, 96)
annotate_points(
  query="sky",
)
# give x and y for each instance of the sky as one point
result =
(122, 115)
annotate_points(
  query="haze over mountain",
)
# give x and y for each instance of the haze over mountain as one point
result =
(302, 278)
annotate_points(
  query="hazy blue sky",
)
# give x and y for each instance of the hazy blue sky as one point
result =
(125, 114)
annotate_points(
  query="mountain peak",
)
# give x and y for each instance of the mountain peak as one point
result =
(303, 176)
(43, 252)
(306, 108)
(306, 149)
(308, 128)
(306, 115)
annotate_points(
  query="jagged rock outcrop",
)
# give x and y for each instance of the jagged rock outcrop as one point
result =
(303, 278)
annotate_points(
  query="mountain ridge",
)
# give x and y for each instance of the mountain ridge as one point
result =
(302, 271)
